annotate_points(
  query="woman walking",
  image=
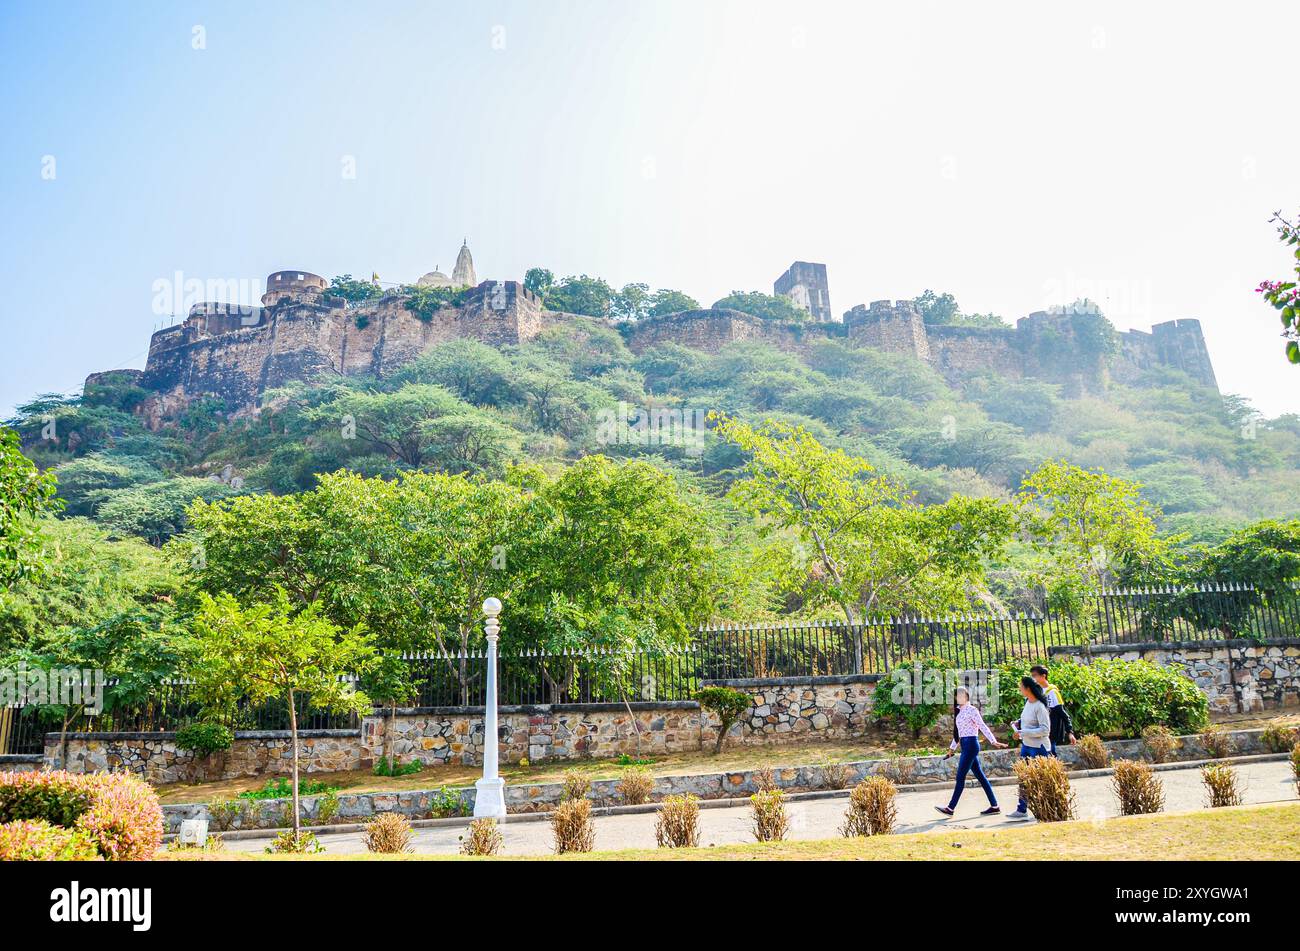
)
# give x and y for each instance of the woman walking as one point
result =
(967, 725)
(1034, 728)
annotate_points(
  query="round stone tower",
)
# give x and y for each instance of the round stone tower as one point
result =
(292, 284)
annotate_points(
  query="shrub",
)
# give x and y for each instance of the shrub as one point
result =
(576, 785)
(678, 823)
(282, 788)
(385, 767)
(35, 840)
(728, 705)
(1045, 787)
(834, 775)
(636, 785)
(204, 739)
(1093, 753)
(892, 699)
(770, 820)
(1295, 762)
(447, 803)
(1160, 743)
(872, 808)
(572, 826)
(1221, 784)
(1277, 738)
(901, 770)
(117, 811)
(1217, 743)
(225, 816)
(327, 808)
(1117, 696)
(388, 833)
(484, 838)
(1138, 788)
(290, 843)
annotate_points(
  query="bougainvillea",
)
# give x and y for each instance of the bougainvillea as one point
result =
(118, 813)
(1285, 295)
(35, 840)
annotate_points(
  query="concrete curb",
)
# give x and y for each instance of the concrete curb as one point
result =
(727, 803)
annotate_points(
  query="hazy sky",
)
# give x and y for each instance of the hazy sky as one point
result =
(1017, 155)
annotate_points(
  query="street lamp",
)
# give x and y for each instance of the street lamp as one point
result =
(490, 795)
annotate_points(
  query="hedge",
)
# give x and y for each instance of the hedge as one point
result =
(1113, 697)
(117, 812)
(35, 840)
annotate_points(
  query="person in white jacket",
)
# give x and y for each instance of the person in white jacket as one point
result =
(1034, 729)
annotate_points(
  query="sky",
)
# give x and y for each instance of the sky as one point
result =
(1017, 155)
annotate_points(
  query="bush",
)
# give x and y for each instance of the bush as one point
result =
(447, 803)
(282, 788)
(1277, 738)
(204, 739)
(1217, 743)
(385, 767)
(678, 823)
(576, 785)
(572, 826)
(1120, 697)
(834, 775)
(872, 808)
(892, 699)
(1093, 753)
(118, 812)
(1295, 762)
(1045, 787)
(388, 833)
(327, 808)
(225, 816)
(901, 770)
(765, 778)
(35, 840)
(1159, 742)
(287, 843)
(1138, 788)
(727, 705)
(1221, 784)
(636, 785)
(484, 838)
(770, 820)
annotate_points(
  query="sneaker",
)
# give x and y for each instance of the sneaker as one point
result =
(1018, 814)
(991, 811)
(946, 810)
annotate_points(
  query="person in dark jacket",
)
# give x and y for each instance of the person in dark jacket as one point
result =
(1062, 726)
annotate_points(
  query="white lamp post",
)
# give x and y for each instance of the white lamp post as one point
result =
(490, 795)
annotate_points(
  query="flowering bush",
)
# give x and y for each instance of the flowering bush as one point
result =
(35, 840)
(118, 813)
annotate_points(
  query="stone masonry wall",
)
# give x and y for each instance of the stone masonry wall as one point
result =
(1236, 676)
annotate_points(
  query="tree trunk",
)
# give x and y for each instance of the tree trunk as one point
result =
(293, 738)
(723, 729)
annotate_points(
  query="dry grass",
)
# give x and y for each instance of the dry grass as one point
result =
(572, 827)
(636, 785)
(1138, 788)
(1222, 785)
(1278, 738)
(1045, 787)
(872, 808)
(1200, 836)
(1217, 743)
(677, 825)
(484, 838)
(1160, 743)
(771, 822)
(388, 833)
(1093, 753)
(765, 778)
(834, 775)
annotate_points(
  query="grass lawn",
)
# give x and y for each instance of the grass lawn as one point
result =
(677, 764)
(1245, 832)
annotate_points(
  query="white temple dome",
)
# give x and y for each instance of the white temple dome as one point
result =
(434, 278)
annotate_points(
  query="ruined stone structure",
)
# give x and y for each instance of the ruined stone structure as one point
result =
(806, 285)
(234, 353)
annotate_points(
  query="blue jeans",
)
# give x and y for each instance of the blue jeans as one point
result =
(1029, 752)
(970, 762)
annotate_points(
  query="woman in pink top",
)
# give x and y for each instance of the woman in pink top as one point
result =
(967, 725)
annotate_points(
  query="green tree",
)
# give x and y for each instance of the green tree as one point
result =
(25, 492)
(665, 301)
(86, 482)
(398, 424)
(589, 296)
(1087, 525)
(863, 545)
(767, 306)
(270, 650)
(538, 280)
(356, 291)
(156, 511)
(631, 303)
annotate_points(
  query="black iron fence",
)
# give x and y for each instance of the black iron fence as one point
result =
(741, 651)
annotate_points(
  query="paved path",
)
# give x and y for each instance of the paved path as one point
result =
(821, 818)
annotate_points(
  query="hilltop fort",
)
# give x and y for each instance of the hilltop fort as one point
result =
(235, 353)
